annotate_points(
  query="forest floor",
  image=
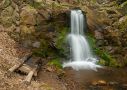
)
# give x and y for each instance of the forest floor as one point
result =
(10, 52)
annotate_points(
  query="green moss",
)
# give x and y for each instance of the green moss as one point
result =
(56, 62)
(91, 40)
(60, 48)
(60, 41)
(101, 62)
(124, 4)
(94, 1)
(40, 53)
(105, 57)
(37, 5)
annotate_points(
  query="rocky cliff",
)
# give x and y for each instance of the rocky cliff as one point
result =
(41, 25)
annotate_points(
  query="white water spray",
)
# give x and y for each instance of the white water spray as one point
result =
(82, 57)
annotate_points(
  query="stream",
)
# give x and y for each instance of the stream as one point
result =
(103, 79)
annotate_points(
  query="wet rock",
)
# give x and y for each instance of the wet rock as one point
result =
(94, 83)
(124, 85)
(94, 88)
(113, 83)
(102, 83)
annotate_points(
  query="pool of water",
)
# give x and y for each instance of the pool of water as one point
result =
(102, 79)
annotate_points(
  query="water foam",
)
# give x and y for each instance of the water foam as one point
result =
(80, 65)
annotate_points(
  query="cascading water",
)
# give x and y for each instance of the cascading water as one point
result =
(81, 54)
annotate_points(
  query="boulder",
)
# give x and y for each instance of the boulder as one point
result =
(28, 15)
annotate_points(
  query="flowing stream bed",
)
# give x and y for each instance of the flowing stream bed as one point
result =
(103, 79)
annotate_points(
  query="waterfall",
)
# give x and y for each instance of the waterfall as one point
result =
(81, 55)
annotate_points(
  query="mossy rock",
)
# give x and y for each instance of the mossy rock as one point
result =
(61, 41)
(56, 62)
(105, 58)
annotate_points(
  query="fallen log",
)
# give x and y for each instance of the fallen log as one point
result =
(29, 65)
(30, 75)
(22, 61)
(12, 69)
(26, 69)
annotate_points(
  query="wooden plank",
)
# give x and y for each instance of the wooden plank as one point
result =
(13, 68)
(29, 76)
(23, 60)
(26, 69)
